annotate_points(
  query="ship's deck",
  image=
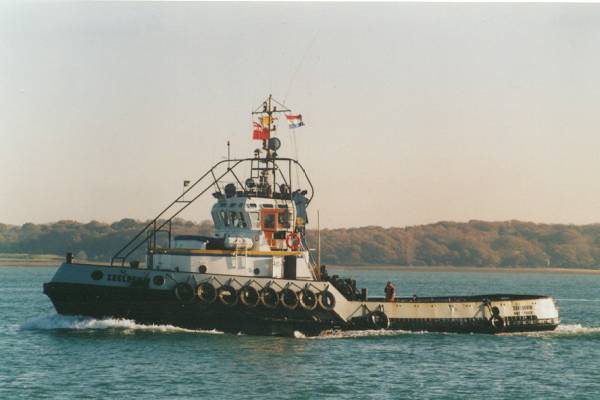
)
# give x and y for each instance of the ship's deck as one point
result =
(460, 299)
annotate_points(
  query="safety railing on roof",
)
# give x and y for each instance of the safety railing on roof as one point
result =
(213, 179)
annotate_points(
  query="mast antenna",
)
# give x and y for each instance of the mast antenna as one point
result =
(318, 245)
(228, 155)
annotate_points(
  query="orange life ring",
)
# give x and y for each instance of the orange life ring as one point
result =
(293, 241)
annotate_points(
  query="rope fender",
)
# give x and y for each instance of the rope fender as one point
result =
(326, 300)
(288, 298)
(307, 299)
(378, 320)
(268, 297)
(206, 292)
(228, 295)
(184, 292)
(496, 320)
(249, 296)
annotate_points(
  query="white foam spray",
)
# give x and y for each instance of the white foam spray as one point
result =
(127, 326)
(357, 334)
(560, 331)
(62, 322)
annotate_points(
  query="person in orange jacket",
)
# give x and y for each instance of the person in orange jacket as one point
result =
(390, 291)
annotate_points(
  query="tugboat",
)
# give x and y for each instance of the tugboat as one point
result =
(255, 274)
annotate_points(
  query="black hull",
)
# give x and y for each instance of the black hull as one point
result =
(149, 306)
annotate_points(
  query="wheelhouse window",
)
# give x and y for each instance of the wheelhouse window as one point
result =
(237, 220)
(217, 219)
(269, 221)
(284, 218)
(224, 217)
(275, 219)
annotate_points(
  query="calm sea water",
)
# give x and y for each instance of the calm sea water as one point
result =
(48, 356)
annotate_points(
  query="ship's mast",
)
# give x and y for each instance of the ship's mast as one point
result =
(268, 121)
(268, 110)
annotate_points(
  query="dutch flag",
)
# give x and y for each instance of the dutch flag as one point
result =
(295, 121)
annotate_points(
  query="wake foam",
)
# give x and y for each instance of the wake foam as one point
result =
(566, 330)
(127, 326)
(77, 323)
(581, 300)
(576, 329)
(357, 334)
(560, 331)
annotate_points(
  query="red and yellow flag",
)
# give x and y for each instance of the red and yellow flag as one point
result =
(260, 132)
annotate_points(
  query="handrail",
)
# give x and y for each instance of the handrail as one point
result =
(119, 255)
(312, 189)
(151, 228)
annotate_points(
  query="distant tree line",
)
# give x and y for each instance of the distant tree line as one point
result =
(476, 243)
(93, 240)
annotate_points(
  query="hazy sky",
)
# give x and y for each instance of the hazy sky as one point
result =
(414, 113)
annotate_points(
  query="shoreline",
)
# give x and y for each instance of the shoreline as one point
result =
(540, 270)
(30, 263)
(517, 270)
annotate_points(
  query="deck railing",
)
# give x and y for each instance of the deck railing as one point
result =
(210, 179)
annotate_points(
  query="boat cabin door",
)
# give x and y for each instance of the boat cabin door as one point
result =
(268, 222)
(289, 267)
(275, 223)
